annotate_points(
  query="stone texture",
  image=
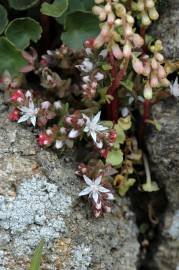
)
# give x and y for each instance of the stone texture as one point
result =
(163, 148)
(39, 199)
(167, 29)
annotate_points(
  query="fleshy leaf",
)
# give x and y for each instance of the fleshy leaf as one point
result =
(36, 260)
(125, 186)
(150, 187)
(22, 4)
(79, 26)
(115, 157)
(76, 5)
(3, 19)
(22, 30)
(56, 9)
(10, 57)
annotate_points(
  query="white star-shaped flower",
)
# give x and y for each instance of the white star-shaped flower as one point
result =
(93, 127)
(174, 88)
(29, 113)
(94, 189)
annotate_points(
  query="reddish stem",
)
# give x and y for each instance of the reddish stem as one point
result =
(112, 62)
(147, 105)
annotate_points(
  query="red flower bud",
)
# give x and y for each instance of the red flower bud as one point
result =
(17, 96)
(14, 115)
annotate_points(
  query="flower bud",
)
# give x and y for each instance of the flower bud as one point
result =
(105, 30)
(98, 42)
(45, 105)
(97, 10)
(146, 20)
(111, 18)
(128, 30)
(154, 82)
(159, 57)
(127, 50)
(117, 51)
(99, 76)
(137, 40)
(154, 63)
(130, 19)
(161, 72)
(140, 6)
(147, 92)
(108, 8)
(73, 134)
(150, 4)
(153, 14)
(158, 45)
(99, 1)
(147, 69)
(118, 22)
(137, 65)
(102, 16)
(165, 82)
(59, 144)
(120, 10)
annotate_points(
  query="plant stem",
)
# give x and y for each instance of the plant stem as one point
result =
(113, 106)
(144, 121)
(147, 169)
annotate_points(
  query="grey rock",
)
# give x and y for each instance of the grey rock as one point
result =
(163, 148)
(39, 199)
(167, 29)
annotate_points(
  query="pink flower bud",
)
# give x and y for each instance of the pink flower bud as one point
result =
(147, 92)
(161, 72)
(137, 65)
(154, 63)
(105, 30)
(127, 50)
(73, 134)
(147, 69)
(128, 30)
(138, 40)
(45, 105)
(98, 42)
(154, 82)
(102, 16)
(111, 18)
(117, 51)
(14, 115)
(159, 57)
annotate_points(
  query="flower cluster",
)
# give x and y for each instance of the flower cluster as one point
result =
(26, 109)
(99, 195)
(116, 29)
(147, 10)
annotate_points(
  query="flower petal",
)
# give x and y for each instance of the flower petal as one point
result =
(85, 191)
(33, 120)
(95, 196)
(88, 181)
(98, 180)
(96, 117)
(23, 118)
(93, 135)
(103, 189)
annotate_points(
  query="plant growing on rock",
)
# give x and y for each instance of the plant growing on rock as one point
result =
(89, 88)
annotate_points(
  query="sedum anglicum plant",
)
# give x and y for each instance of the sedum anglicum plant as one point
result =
(89, 88)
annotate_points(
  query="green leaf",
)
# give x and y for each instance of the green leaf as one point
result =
(56, 9)
(106, 67)
(3, 19)
(150, 186)
(79, 27)
(10, 57)
(125, 186)
(76, 5)
(115, 157)
(128, 84)
(22, 4)
(36, 260)
(22, 30)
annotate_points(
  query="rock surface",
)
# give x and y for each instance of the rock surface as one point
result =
(39, 199)
(163, 148)
(167, 29)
